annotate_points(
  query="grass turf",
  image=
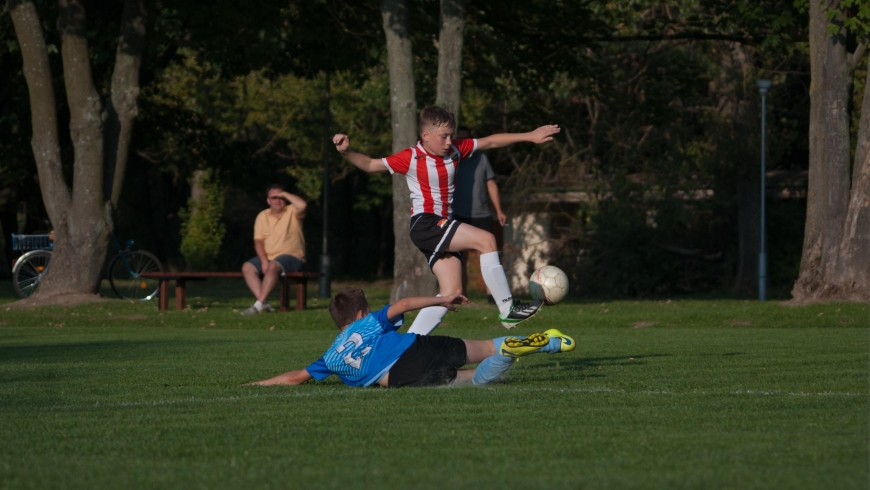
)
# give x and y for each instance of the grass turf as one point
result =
(679, 394)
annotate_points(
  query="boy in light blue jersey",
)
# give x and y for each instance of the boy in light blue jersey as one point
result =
(369, 351)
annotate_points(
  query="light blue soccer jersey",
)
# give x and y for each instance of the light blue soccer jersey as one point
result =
(365, 351)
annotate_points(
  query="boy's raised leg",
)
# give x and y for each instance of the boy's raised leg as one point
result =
(495, 278)
(427, 320)
(511, 312)
(468, 237)
(448, 270)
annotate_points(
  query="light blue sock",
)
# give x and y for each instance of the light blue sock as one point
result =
(554, 347)
(491, 369)
(497, 342)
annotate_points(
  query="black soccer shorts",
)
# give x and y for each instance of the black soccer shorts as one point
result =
(432, 234)
(430, 361)
(484, 224)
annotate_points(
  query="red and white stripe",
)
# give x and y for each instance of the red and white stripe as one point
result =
(430, 177)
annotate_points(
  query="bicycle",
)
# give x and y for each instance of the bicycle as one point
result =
(123, 271)
(29, 269)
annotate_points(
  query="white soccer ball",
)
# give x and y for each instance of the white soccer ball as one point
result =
(548, 283)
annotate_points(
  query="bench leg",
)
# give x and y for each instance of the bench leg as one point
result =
(301, 293)
(180, 294)
(164, 294)
(284, 293)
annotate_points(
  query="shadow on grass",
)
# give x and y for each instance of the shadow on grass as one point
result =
(91, 351)
(580, 364)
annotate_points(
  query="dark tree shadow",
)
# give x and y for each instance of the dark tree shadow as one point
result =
(90, 351)
(579, 364)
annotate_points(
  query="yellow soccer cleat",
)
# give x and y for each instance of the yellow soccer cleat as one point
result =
(568, 344)
(522, 346)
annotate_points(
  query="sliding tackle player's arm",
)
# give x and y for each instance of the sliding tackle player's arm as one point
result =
(362, 162)
(411, 304)
(288, 379)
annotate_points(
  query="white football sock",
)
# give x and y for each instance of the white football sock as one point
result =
(427, 320)
(258, 305)
(496, 281)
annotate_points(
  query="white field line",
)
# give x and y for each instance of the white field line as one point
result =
(356, 392)
(684, 393)
(191, 400)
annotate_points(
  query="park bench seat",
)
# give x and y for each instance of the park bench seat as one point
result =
(181, 278)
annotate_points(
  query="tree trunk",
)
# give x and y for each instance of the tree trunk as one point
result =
(385, 231)
(851, 274)
(45, 142)
(863, 144)
(121, 106)
(830, 198)
(450, 41)
(81, 236)
(411, 274)
(817, 186)
(836, 118)
(80, 218)
(197, 194)
(197, 185)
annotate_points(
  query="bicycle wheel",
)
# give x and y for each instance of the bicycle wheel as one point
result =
(29, 270)
(124, 277)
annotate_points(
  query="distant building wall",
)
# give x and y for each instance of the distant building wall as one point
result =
(526, 247)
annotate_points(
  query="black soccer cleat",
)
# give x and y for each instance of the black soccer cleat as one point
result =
(520, 312)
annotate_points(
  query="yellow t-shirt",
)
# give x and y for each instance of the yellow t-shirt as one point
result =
(281, 235)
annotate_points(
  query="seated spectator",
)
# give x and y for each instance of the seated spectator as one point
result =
(279, 244)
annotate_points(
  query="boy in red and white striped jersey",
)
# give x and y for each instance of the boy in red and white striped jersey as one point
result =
(430, 168)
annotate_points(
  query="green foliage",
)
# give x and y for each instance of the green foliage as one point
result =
(202, 229)
(637, 87)
(263, 127)
(661, 108)
(279, 116)
(851, 16)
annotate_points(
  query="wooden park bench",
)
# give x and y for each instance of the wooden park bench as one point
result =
(181, 278)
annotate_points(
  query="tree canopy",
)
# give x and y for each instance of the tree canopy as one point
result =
(657, 101)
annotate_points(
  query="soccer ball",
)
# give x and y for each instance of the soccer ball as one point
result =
(548, 283)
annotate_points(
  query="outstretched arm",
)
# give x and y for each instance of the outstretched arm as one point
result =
(411, 304)
(538, 136)
(362, 162)
(290, 379)
(297, 201)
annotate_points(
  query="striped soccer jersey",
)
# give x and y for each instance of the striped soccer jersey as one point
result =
(364, 351)
(430, 177)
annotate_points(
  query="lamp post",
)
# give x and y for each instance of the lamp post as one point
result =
(324, 289)
(763, 87)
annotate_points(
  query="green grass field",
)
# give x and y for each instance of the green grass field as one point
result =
(659, 394)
